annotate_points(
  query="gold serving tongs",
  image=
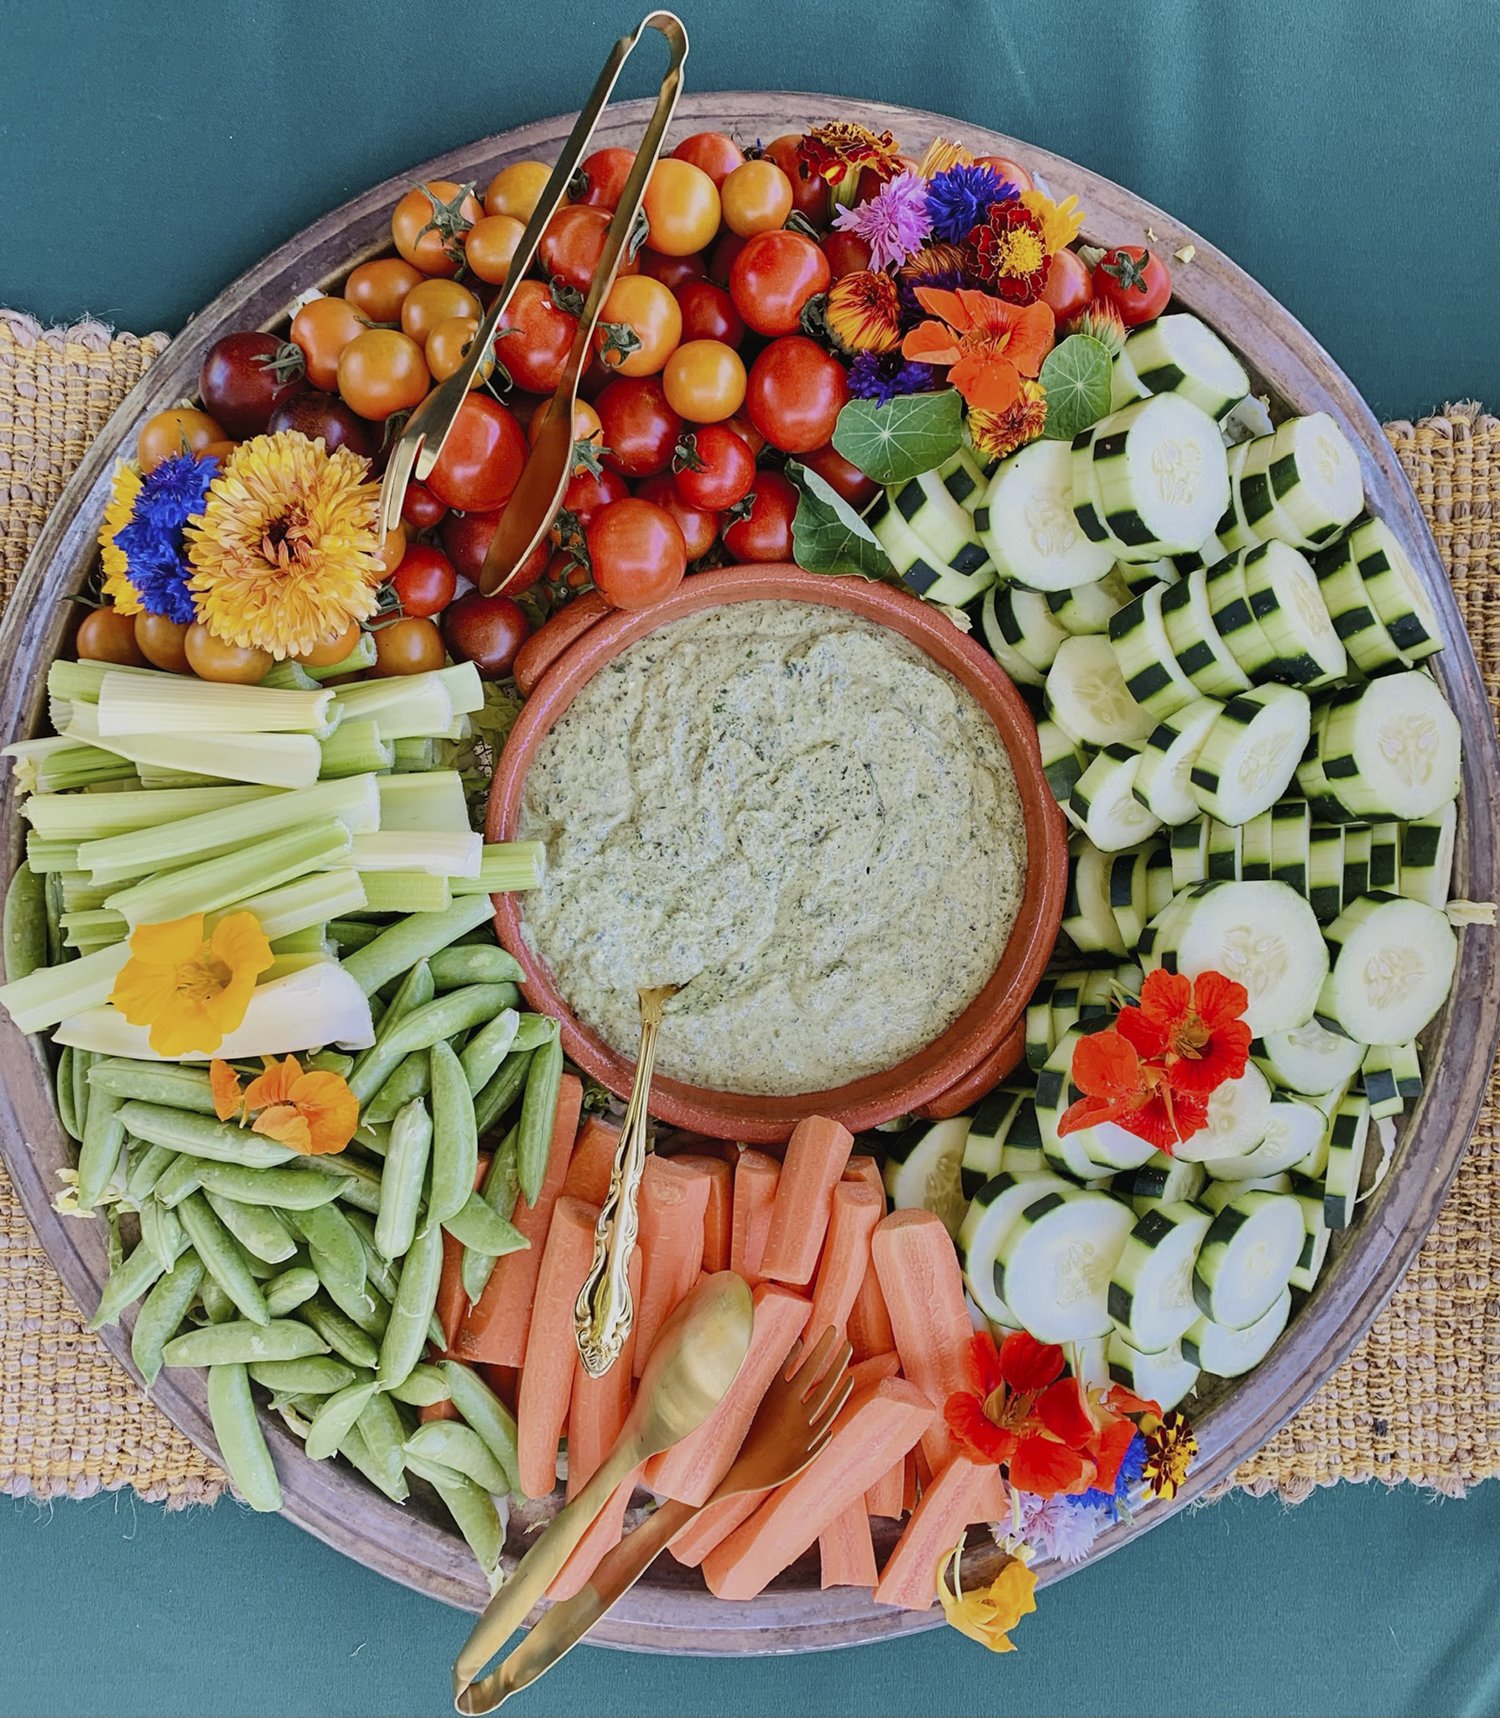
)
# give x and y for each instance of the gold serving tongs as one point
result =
(540, 490)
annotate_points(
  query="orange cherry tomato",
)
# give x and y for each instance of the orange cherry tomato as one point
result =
(704, 381)
(714, 151)
(490, 244)
(448, 345)
(333, 649)
(429, 223)
(179, 429)
(378, 289)
(757, 198)
(219, 450)
(411, 645)
(516, 190)
(391, 552)
(381, 372)
(1011, 171)
(585, 425)
(163, 642)
(213, 658)
(682, 208)
(106, 635)
(432, 302)
(322, 329)
(639, 326)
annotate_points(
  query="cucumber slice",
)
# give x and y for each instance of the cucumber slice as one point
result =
(1393, 963)
(1282, 594)
(1088, 608)
(1021, 633)
(1054, 1267)
(1127, 892)
(991, 1215)
(1148, 665)
(1351, 608)
(1292, 1128)
(1160, 1180)
(1217, 1194)
(1164, 1378)
(1062, 760)
(1247, 1258)
(1316, 1238)
(985, 1139)
(1189, 848)
(1308, 1059)
(1255, 848)
(943, 527)
(1392, 748)
(1378, 1079)
(1209, 555)
(1103, 805)
(1426, 866)
(923, 1169)
(1224, 847)
(1163, 776)
(1314, 475)
(1087, 918)
(1029, 530)
(1291, 835)
(1160, 477)
(1151, 1290)
(1356, 863)
(1385, 857)
(1238, 1112)
(1201, 654)
(1124, 384)
(1087, 697)
(1348, 1134)
(1022, 1152)
(1325, 871)
(1159, 890)
(1249, 419)
(1250, 754)
(1234, 530)
(1226, 1353)
(1181, 355)
(1399, 597)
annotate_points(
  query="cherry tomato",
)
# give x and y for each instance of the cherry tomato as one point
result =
(481, 460)
(585, 424)
(704, 381)
(411, 645)
(179, 429)
(378, 289)
(810, 196)
(682, 208)
(708, 313)
(1135, 281)
(420, 508)
(163, 642)
(588, 491)
(757, 198)
(747, 432)
(765, 533)
(381, 372)
(324, 417)
(566, 578)
(389, 553)
(673, 272)
(845, 479)
(1069, 286)
(221, 450)
(425, 581)
(699, 525)
(466, 538)
(322, 329)
(213, 658)
(516, 190)
(333, 649)
(795, 393)
(429, 223)
(448, 345)
(490, 244)
(721, 257)
(432, 302)
(717, 471)
(637, 553)
(773, 278)
(847, 253)
(639, 327)
(487, 631)
(640, 429)
(714, 152)
(106, 635)
(245, 377)
(1011, 171)
(572, 243)
(603, 175)
(534, 338)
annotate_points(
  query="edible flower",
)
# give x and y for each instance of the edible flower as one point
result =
(884, 377)
(1170, 1447)
(863, 312)
(1061, 222)
(153, 541)
(124, 486)
(989, 345)
(1119, 1086)
(893, 223)
(1110, 1500)
(1102, 322)
(941, 154)
(1008, 250)
(189, 988)
(314, 1113)
(986, 1614)
(1193, 1026)
(843, 146)
(996, 434)
(1063, 1527)
(959, 199)
(1007, 1416)
(284, 554)
(936, 265)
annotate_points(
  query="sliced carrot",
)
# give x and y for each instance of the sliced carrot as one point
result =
(600, 1538)
(854, 1211)
(691, 1469)
(923, 1467)
(924, 1295)
(879, 1424)
(505, 1381)
(452, 1302)
(871, 1370)
(846, 1552)
(816, 1156)
(911, 1489)
(964, 1491)
(593, 1160)
(712, 1526)
(887, 1497)
(598, 1406)
(869, 1327)
(755, 1178)
(867, 1170)
(672, 1203)
(443, 1410)
(718, 1218)
(551, 1352)
(496, 1328)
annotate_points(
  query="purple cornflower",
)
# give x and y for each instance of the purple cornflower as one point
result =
(881, 378)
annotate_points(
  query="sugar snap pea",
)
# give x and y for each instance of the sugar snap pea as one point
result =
(385, 1432)
(335, 1419)
(317, 1375)
(99, 1152)
(501, 1090)
(329, 1062)
(258, 1229)
(374, 1137)
(339, 1331)
(148, 1163)
(67, 1113)
(455, 1140)
(127, 1282)
(383, 1275)
(473, 1510)
(411, 1079)
(488, 1047)
(484, 1230)
(202, 1136)
(412, 939)
(162, 1312)
(453, 1011)
(499, 1193)
(356, 1452)
(25, 933)
(485, 1412)
(218, 1308)
(411, 1311)
(161, 1231)
(261, 1269)
(242, 1444)
(239, 1341)
(474, 963)
(460, 1447)
(170, 1083)
(334, 1243)
(351, 934)
(402, 1180)
(534, 1030)
(538, 1113)
(222, 1258)
(288, 1189)
(423, 1387)
(82, 1061)
(177, 1180)
(287, 1291)
(361, 1183)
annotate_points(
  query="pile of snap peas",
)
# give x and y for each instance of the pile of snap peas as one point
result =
(317, 1277)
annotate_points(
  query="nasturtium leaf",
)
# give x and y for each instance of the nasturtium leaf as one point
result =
(828, 536)
(898, 441)
(1076, 375)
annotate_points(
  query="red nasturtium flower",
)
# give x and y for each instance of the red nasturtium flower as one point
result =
(1118, 1085)
(1193, 1026)
(1008, 1415)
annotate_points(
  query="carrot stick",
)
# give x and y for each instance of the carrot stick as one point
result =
(593, 1160)
(691, 1469)
(887, 1497)
(672, 1203)
(452, 1302)
(598, 1406)
(911, 1489)
(443, 1410)
(497, 1325)
(816, 1156)
(845, 1550)
(924, 1295)
(964, 1491)
(717, 1218)
(712, 1526)
(755, 1179)
(869, 1327)
(872, 1370)
(551, 1353)
(880, 1423)
(601, 1537)
(867, 1170)
(505, 1381)
(855, 1210)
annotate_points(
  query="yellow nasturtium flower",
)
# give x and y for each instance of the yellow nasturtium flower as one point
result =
(987, 1614)
(191, 989)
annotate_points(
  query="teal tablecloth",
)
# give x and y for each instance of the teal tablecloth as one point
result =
(1345, 152)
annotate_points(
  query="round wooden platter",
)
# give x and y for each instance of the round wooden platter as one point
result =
(670, 1611)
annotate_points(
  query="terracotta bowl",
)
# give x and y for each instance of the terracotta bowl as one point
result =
(982, 1037)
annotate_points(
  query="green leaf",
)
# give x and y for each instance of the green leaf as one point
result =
(895, 442)
(1076, 376)
(828, 536)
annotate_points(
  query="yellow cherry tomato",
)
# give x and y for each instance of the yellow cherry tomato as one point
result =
(180, 429)
(586, 425)
(392, 551)
(411, 645)
(490, 244)
(106, 635)
(163, 642)
(515, 190)
(757, 198)
(639, 325)
(336, 648)
(704, 381)
(432, 302)
(448, 346)
(323, 328)
(378, 289)
(428, 229)
(213, 658)
(382, 372)
(682, 208)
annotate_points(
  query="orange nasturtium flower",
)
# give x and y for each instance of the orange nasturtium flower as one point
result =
(987, 1614)
(314, 1113)
(188, 988)
(988, 344)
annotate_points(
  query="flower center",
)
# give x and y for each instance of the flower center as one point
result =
(1019, 252)
(1189, 1036)
(1008, 1409)
(203, 978)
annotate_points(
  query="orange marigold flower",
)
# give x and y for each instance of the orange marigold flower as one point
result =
(313, 1113)
(996, 434)
(843, 146)
(863, 312)
(191, 990)
(987, 344)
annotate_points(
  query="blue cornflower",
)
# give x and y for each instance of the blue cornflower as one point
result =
(881, 378)
(1132, 1466)
(957, 200)
(153, 543)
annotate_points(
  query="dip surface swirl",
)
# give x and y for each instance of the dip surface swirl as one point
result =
(798, 811)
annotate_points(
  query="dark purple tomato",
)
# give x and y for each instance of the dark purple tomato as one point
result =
(487, 631)
(245, 377)
(325, 415)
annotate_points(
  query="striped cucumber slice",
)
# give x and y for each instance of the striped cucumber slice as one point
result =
(1314, 474)
(1054, 1266)
(1291, 1130)
(1426, 865)
(1159, 889)
(1087, 697)
(1160, 1180)
(923, 1169)
(1325, 870)
(1357, 846)
(1225, 844)
(1151, 1288)
(1181, 355)
(1030, 532)
(1309, 1059)
(1282, 593)
(1062, 760)
(1385, 857)
(1392, 749)
(1238, 1113)
(1189, 849)
(1316, 1237)
(1022, 1151)
(1103, 805)
(1148, 666)
(1217, 1194)
(1397, 594)
(1255, 848)
(1164, 1378)
(1234, 531)
(1211, 553)
(1124, 384)
(1022, 635)
(1087, 918)
(1249, 419)
(985, 1139)
(1265, 518)
(1392, 968)
(1226, 1353)
(1392, 1078)
(1160, 477)
(1201, 654)
(1250, 755)
(1127, 893)
(1041, 1036)
(1348, 1134)
(1313, 784)
(1089, 608)
(1351, 608)
(922, 568)
(1291, 834)
(1234, 620)
(944, 525)
(991, 1215)
(1247, 1258)
(1163, 776)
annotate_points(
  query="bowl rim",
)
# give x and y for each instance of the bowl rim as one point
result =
(987, 1021)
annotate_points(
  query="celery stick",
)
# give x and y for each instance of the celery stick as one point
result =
(350, 934)
(353, 748)
(51, 855)
(402, 706)
(79, 682)
(79, 895)
(361, 657)
(54, 763)
(402, 945)
(405, 892)
(97, 924)
(289, 676)
(52, 993)
(413, 755)
(464, 686)
(154, 776)
(214, 883)
(438, 853)
(310, 940)
(311, 900)
(93, 816)
(131, 704)
(284, 965)
(505, 867)
(432, 801)
(277, 760)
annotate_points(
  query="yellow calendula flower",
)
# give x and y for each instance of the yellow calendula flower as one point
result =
(1061, 222)
(124, 488)
(863, 312)
(987, 1614)
(941, 154)
(284, 554)
(995, 434)
(191, 989)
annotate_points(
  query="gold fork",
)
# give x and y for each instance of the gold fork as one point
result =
(421, 441)
(792, 1424)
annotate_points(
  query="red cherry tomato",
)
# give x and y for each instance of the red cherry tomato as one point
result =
(637, 553)
(708, 313)
(425, 581)
(420, 508)
(482, 459)
(1011, 171)
(795, 393)
(587, 492)
(810, 196)
(1135, 281)
(245, 377)
(846, 480)
(721, 257)
(1069, 286)
(534, 338)
(747, 432)
(847, 253)
(765, 533)
(713, 151)
(672, 272)
(604, 174)
(466, 539)
(699, 525)
(640, 429)
(566, 577)
(773, 277)
(716, 471)
(572, 243)
(487, 631)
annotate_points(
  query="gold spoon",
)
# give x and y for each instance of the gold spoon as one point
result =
(700, 1349)
(604, 1311)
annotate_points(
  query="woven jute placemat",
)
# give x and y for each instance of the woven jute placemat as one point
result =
(1420, 1399)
